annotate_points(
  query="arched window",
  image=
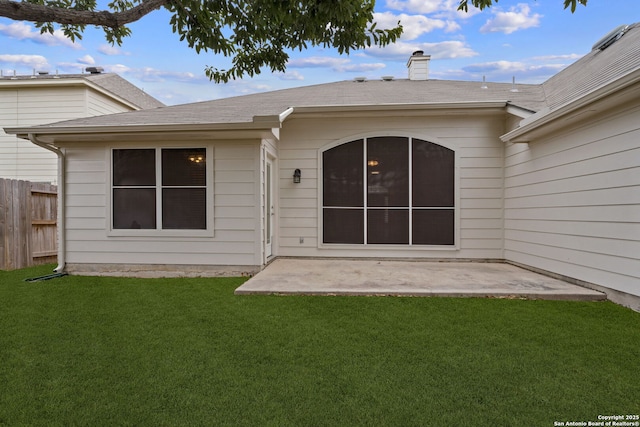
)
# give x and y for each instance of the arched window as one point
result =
(388, 190)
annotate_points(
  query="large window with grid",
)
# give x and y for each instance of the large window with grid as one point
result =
(159, 189)
(388, 191)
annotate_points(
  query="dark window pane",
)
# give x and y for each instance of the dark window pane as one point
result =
(388, 226)
(134, 167)
(342, 176)
(433, 227)
(184, 208)
(184, 167)
(134, 208)
(433, 172)
(343, 226)
(388, 171)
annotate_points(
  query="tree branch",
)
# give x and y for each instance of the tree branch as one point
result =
(24, 11)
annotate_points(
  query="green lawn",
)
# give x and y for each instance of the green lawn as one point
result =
(178, 352)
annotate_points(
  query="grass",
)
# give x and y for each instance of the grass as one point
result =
(181, 352)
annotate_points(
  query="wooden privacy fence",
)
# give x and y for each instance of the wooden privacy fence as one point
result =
(28, 213)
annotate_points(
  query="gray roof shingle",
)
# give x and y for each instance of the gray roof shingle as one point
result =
(243, 109)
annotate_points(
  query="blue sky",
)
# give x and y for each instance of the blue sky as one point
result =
(529, 40)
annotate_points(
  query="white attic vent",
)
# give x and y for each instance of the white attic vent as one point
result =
(387, 78)
(610, 38)
(360, 79)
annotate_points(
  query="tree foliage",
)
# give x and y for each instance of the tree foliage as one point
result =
(254, 33)
(482, 4)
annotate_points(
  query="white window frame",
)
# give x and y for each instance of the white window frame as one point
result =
(158, 231)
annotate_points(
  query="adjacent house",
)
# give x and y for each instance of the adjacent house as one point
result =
(45, 98)
(545, 176)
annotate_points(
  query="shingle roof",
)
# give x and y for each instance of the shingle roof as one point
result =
(110, 82)
(243, 109)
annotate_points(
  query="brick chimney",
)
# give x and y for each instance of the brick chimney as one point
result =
(418, 66)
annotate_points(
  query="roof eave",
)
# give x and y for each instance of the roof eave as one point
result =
(266, 128)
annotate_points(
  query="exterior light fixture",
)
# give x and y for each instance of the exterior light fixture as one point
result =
(296, 176)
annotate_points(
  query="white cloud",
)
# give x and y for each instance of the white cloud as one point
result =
(443, 50)
(87, 60)
(437, 8)
(149, 74)
(496, 66)
(413, 26)
(117, 68)
(336, 64)
(571, 56)
(109, 50)
(452, 26)
(517, 18)
(318, 62)
(291, 75)
(32, 61)
(23, 31)
(524, 72)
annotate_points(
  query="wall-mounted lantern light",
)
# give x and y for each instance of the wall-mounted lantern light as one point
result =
(296, 176)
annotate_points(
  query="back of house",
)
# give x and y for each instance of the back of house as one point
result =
(545, 176)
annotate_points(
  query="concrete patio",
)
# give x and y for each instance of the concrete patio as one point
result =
(410, 278)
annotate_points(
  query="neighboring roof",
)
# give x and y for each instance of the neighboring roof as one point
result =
(111, 83)
(244, 109)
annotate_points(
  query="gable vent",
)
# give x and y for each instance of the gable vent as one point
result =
(610, 38)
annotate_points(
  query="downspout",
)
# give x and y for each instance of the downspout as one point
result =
(61, 199)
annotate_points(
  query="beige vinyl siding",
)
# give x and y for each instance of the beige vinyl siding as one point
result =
(99, 104)
(34, 106)
(235, 205)
(572, 202)
(479, 171)
(8, 143)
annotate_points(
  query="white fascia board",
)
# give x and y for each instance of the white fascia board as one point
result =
(52, 134)
(546, 116)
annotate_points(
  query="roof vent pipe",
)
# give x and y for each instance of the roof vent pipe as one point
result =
(418, 66)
